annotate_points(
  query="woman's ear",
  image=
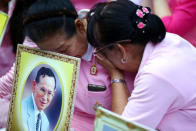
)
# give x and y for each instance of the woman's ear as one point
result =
(123, 51)
(81, 25)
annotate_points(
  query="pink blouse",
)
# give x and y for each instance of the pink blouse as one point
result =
(164, 94)
(183, 19)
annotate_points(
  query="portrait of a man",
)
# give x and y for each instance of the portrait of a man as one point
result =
(43, 91)
(44, 88)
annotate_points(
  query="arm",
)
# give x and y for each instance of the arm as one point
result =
(161, 8)
(4, 112)
(182, 18)
(150, 100)
(6, 81)
(120, 91)
(120, 94)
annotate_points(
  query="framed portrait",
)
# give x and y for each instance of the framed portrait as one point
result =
(43, 91)
(3, 24)
(109, 121)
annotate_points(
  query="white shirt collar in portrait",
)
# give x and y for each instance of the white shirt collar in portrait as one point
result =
(36, 109)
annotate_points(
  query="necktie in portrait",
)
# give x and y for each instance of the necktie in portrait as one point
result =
(38, 123)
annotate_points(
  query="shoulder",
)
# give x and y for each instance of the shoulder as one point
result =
(28, 42)
(27, 106)
(174, 39)
(171, 61)
(168, 54)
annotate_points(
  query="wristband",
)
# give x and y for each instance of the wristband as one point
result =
(118, 81)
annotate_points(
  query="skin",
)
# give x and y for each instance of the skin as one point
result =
(43, 92)
(162, 10)
(74, 46)
(111, 61)
(133, 53)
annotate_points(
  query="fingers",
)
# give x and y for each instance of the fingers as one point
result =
(99, 57)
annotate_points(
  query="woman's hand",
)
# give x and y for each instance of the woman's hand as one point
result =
(120, 91)
(112, 70)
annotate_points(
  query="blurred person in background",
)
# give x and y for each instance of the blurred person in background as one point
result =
(178, 16)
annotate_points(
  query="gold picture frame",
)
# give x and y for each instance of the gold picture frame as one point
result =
(110, 121)
(4, 18)
(66, 70)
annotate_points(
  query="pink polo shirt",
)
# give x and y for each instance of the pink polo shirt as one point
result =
(164, 95)
(183, 19)
(84, 114)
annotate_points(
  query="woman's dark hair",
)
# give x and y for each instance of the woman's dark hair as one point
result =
(46, 17)
(118, 20)
(16, 22)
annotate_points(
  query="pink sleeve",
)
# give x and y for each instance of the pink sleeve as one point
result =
(4, 112)
(182, 19)
(6, 81)
(150, 100)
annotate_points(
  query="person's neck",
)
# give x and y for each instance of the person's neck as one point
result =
(84, 42)
(86, 47)
(139, 56)
(136, 57)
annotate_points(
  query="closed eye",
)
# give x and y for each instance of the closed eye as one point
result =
(42, 89)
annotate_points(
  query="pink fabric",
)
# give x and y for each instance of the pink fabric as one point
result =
(82, 121)
(85, 100)
(85, 4)
(164, 94)
(183, 19)
(84, 114)
(4, 112)
(6, 81)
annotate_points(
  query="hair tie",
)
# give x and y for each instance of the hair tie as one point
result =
(141, 13)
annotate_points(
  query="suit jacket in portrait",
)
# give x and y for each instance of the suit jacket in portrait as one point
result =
(28, 116)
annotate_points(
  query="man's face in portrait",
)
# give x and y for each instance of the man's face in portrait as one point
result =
(43, 91)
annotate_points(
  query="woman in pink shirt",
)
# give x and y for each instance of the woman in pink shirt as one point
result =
(129, 38)
(61, 31)
(178, 16)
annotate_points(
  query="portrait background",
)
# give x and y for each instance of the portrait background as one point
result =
(53, 110)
